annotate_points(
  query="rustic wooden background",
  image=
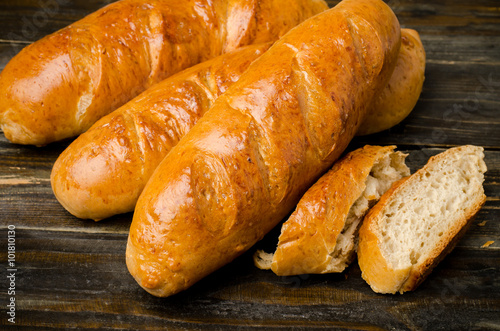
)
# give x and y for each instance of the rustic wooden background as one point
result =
(72, 274)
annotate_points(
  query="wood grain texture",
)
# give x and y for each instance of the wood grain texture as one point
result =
(71, 273)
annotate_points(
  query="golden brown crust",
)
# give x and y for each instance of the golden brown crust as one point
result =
(402, 92)
(309, 236)
(245, 164)
(145, 129)
(104, 170)
(115, 53)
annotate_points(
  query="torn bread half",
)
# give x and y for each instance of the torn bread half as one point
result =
(321, 234)
(420, 219)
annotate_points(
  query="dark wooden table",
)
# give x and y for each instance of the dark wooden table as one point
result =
(71, 273)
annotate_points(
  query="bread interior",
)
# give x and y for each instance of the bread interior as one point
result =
(424, 216)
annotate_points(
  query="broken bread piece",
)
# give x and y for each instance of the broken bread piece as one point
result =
(420, 219)
(321, 234)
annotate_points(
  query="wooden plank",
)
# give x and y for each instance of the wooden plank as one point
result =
(461, 49)
(240, 294)
(449, 17)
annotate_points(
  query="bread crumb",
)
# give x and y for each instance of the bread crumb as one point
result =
(483, 223)
(487, 244)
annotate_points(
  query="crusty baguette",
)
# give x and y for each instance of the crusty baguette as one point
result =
(104, 170)
(92, 180)
(245, 164)
(402, 92)
(60, 85)
(321, 234)
(420, 219)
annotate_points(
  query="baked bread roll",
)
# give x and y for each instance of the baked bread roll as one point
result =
(60, 85)
(248, 160)
(402, 92)
(104, 170)
(420, 219)
(93, 180)
(321, 234)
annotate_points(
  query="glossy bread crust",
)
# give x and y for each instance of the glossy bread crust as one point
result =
(246, 163)
(60, 85)
(401, 94)
(105, 169)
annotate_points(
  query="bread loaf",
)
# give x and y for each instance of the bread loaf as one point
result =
(401, 94)
(247, 161)
(60, 85)
(93, 179)
(104, 170)
(420, 219)
(321, 234)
